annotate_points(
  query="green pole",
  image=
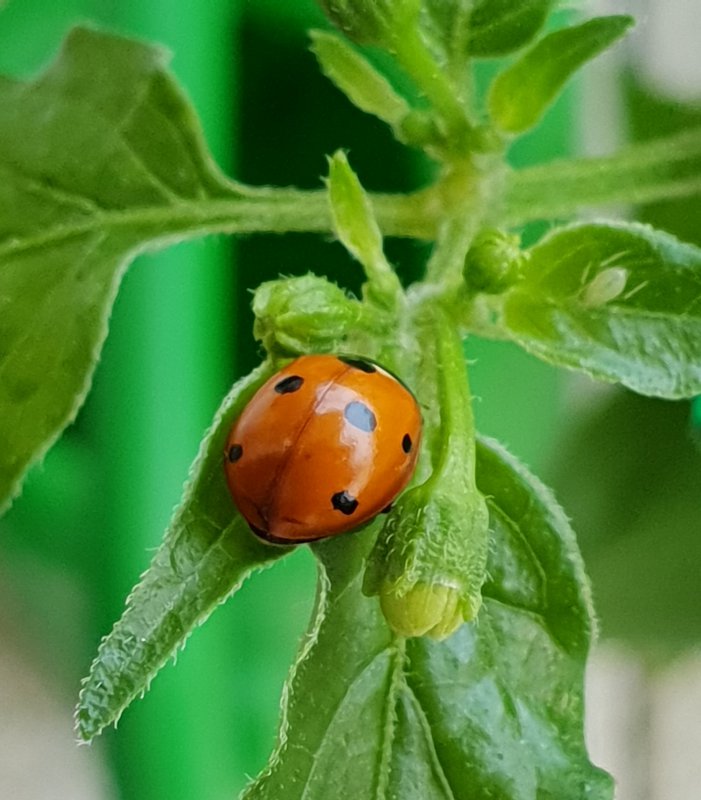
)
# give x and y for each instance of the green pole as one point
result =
(166, 367)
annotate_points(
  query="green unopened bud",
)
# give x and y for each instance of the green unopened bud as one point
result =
(425, 610)
(429, 562)
(419, 128)
(494, 262)
(303, 315)
(373, 22)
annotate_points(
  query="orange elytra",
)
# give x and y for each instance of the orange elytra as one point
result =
(322, 447)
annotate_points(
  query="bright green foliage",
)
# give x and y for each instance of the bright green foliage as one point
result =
(501, 26)
(519, 95)
(619, 301)
(378, 22)
(459, 29)
(207, 552)
(370, 91)
(352, 214)
(494, 261)
(96, 155)
(447, 30)
(102, 157)
(358, 79)
(372, 715)
(355, 225)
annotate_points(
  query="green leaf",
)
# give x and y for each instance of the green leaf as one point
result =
(356, 227)
(352, 213)
(446, 25)
(519, 96)
(207, 553)
(95, 156)
(378, 22)
(369, 715)
(459, 29)
(498, 27)
(358, 79)
(619, 301)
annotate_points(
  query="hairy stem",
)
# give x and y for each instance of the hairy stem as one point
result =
(661, 169)
(416, 59)
(651, 171)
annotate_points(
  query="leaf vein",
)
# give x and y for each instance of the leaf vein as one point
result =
(59, 193)
(349, 686)
(40, 311)
(389, 728)
(157, 182)
(431, 741)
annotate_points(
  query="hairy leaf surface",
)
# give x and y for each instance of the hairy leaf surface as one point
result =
(357, 78)
(460, 29)
(207, 552)
(619, 301)
(493, 711)
(98, 156)
(519, 96)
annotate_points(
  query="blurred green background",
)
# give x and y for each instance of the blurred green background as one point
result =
(91, 515)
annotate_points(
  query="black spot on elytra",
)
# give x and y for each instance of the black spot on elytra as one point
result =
(344, 502)
(289, 384)
(406, 443)
(360, 416)
(358, 363)
(235, 452)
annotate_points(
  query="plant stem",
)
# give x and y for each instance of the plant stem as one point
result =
(446, 262)
(457, 423)
(661, 169)
(413, 55)
(651, 171)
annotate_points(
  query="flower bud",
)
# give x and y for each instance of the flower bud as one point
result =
(425, 610)
(429, 562)
(494, 262)
(419, 128)
(302, 315)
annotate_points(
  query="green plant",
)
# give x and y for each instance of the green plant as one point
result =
(488, 708)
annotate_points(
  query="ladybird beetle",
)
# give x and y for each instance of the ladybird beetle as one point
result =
(323, 446)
